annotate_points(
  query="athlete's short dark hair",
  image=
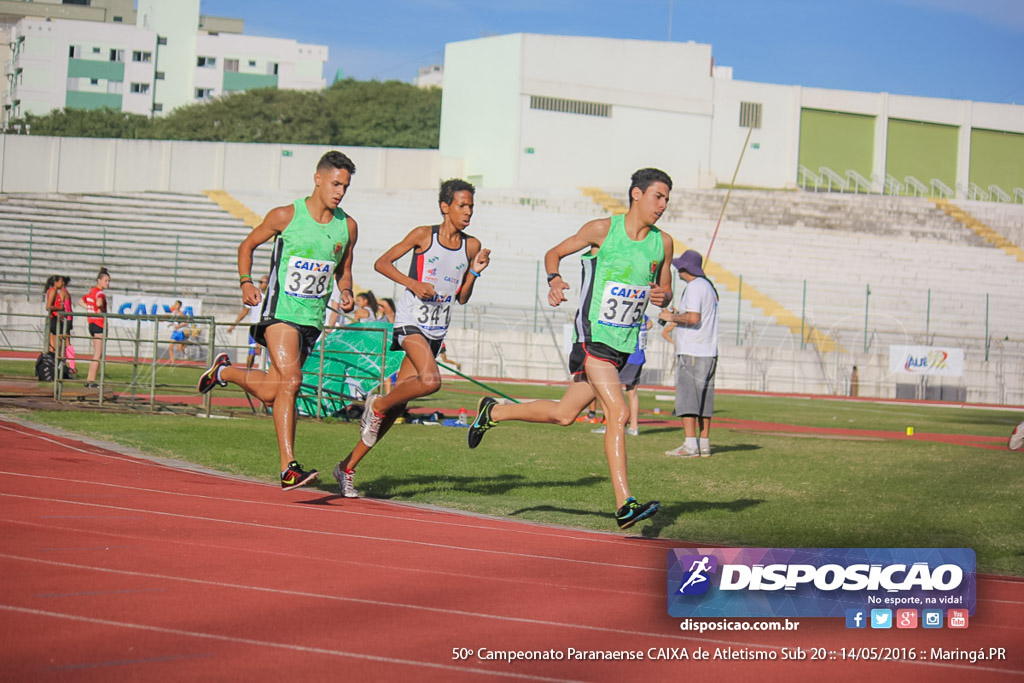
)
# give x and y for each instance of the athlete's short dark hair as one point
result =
(644, 178)
(450, 187)
(335, 159)
(103, 271)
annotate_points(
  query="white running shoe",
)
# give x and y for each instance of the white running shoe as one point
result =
(348, 489)
(1016, 441)
(632, 432)
(600, 430)
(684, 452)
(369, 424)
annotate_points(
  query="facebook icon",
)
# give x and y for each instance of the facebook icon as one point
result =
(856, 618)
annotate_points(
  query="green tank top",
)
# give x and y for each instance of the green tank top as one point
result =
(306, 255)
(617, 286)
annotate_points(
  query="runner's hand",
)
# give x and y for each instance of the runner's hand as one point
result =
(556, 294)
(660, 296)
(251, 295)
(423, 290)
(347, 301)
(481, 260)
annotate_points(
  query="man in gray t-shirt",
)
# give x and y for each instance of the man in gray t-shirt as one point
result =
(695, 333)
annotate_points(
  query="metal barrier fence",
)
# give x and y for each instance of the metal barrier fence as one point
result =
(140, 344)
(492, 343)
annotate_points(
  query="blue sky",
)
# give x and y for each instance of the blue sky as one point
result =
(960, 49)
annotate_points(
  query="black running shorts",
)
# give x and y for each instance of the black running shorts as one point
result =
(582, 350)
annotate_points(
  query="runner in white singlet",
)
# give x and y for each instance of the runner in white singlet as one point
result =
(446, 263)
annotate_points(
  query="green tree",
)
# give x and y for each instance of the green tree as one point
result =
(350, 112)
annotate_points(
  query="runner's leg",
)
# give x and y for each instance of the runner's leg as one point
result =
(604, 379)
(425, 381)
(405, 371)
(562, 412)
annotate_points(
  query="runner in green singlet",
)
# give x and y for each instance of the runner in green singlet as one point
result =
(624, 269)
(313, 242)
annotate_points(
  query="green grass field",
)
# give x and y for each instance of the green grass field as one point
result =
(759, 489)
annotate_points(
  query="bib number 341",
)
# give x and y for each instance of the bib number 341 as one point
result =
(623, 305)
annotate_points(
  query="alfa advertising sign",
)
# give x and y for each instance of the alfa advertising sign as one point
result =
(926, 360)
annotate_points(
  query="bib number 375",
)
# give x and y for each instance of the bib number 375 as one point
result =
(623, 305)
(307, 278)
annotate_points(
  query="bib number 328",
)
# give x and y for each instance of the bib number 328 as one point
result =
(307, 278)
(623, 305)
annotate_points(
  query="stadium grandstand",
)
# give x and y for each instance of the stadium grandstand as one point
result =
(842, 240)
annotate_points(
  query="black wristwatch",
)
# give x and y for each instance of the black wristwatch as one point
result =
(552, 276)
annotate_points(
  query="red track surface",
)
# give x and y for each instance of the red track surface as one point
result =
(122, 568)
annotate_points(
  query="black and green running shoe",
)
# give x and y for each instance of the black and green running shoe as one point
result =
(482, 423)
(632, 512)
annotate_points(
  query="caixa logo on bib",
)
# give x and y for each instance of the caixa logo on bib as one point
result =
(817, 582)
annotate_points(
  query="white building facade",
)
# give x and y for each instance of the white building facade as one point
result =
(526, 110)
(170, 57)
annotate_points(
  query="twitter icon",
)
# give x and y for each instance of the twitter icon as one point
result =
(881, 618)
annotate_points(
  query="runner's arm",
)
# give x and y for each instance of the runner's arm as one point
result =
(592, 234)
(479, 259)
(344, 279)
(274, 224)
(418, 239)
(661, 292)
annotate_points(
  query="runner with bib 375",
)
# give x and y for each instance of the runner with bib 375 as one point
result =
(623, 271)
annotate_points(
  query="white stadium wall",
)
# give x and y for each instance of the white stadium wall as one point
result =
(667, 110)
(33, 163)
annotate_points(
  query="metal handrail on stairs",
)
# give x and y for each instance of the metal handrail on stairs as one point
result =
(920, 189)
(858, 181)
(831, 176)
(974, 191)
(944, 190)
(999, 194)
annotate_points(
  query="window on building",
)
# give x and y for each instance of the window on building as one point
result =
(275, 68)
(118, 20)
(159, 75)
(116, 55)
(231, 65)
(95, 50)
(94, 81)
(161, 40)
(204, 93)
(750, 114)
(140, 56)
(252, 62)
(75, 51)
(140, 88)
(206, 61)
(115, 87)
(570, 106)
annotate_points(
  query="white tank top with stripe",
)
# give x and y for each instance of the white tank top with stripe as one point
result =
(443, 268)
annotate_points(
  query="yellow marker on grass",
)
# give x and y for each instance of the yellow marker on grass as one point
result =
(910, 431)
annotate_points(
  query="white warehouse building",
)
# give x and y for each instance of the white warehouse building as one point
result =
(170, 56)
(531, 111)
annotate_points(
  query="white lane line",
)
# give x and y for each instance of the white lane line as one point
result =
(490, 578)
(500, 525)
(460, 613)
(335, 534)
(265, 643)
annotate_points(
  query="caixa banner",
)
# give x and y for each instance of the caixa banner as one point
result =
(817, 582)
(151, 305)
